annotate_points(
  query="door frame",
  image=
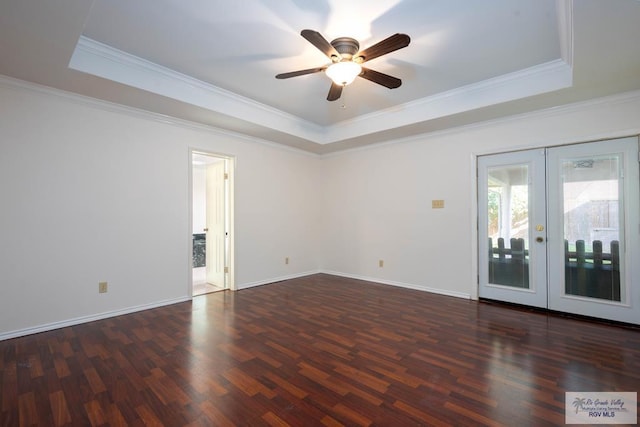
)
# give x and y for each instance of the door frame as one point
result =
(230, 282)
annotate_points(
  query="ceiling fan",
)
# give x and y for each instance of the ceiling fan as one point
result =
(346, 60)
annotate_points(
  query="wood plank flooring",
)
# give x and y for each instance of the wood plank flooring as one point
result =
(320, 350)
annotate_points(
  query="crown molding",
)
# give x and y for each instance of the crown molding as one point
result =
(548, 77)
(565, 29)
(99, 59)
(112, 107)
(609, 101)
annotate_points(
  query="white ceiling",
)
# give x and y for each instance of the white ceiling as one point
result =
(214, 61)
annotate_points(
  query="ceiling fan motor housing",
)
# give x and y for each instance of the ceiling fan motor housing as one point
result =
(346, 47)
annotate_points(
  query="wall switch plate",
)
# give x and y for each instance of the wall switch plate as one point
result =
(102, 287)
(437, 204)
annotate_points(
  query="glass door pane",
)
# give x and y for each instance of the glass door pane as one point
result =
(591, 207)
(508, 225)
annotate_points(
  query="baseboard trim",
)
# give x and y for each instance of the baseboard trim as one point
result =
(400, 284)
(129, 310)
(90, 318)
(276, 279)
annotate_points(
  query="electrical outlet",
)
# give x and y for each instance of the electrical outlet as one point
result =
(286, 260)
(381, 263)
(102, 287)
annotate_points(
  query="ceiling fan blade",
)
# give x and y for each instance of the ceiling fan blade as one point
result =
(300, 73)
(380, 78)
(394, 42)
(334, 92)
(316, 39)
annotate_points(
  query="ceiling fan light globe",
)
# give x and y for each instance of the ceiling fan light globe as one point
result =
(343, 73)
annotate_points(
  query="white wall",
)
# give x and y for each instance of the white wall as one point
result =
(377, 201)
(93, 193)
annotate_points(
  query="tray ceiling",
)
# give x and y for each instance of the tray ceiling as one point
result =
(214, 62)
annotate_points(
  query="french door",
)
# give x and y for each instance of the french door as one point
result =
(559, 228)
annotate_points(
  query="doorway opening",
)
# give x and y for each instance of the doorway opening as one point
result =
(211, 208)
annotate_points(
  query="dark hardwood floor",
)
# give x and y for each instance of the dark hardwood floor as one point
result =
(320, 350)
